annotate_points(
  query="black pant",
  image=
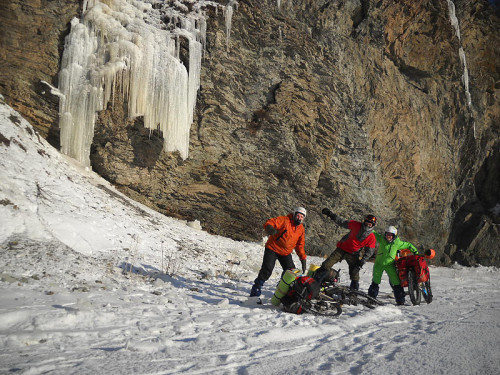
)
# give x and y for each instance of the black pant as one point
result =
(269, 262)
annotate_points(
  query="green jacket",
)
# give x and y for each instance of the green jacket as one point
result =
(387, 250)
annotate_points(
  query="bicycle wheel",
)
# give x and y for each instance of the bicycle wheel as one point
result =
(427, 291)
(414, 288)
(356, 297)
(347, 296)
(336, 293)
(324, 308)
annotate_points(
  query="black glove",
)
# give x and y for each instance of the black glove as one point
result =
(270, 230)
(303, 262)
(328, 213)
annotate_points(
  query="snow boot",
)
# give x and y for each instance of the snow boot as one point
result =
(256, 288)
(354, 285)
(399, 294)
(373, 290)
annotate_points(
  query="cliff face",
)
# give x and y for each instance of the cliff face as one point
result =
(358, 106)
(31, 41)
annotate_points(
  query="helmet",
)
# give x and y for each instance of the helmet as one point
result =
(392, 230)
(371, 219)
(301, 210)
(298, 210)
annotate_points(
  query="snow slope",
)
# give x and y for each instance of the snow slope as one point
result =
(93, 282)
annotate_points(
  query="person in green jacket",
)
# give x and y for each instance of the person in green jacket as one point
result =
(389, 245)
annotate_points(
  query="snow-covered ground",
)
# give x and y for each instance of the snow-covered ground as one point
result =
(92, 282)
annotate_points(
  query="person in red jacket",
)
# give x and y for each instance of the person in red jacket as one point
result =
(286, 233)
(349, 247)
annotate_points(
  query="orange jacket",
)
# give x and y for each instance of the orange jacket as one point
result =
(283, 242)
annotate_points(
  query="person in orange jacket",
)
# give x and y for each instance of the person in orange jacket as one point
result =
(286, 233)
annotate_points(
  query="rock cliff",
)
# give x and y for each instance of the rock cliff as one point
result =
(359, 106)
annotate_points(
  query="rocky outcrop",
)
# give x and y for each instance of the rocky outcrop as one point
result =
(354, 105)
(474, 235)
(31, 43)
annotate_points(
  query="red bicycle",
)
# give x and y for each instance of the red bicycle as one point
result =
(414, 274)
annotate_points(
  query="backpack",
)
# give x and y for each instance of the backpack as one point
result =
(304, 288)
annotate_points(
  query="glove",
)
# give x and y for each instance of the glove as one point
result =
(270, 230)
(329, 213)
(303, 262)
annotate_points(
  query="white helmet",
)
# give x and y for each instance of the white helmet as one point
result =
(301, 210)
(392, 230)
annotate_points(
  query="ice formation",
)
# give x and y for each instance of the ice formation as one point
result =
(229, 18)
(125, 48)
(461, 53)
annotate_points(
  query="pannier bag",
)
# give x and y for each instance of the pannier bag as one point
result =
(304, 288)
(418, 263)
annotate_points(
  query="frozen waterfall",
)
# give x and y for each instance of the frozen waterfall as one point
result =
(124, 48)
(461, 53)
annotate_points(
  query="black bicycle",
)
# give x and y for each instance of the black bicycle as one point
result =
(346, 296)
(333, 296)
(323, 305)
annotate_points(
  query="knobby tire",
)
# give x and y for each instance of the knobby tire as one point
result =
(322, 307)
(366, 300)
(427, 291)
(347, 296)
(413, 288)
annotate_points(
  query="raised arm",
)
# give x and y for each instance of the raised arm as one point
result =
(337, 219)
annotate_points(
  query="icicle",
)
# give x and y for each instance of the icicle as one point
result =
(123, 44)
(461, 53)
(453, 18)
(228, 17)
(465, 76)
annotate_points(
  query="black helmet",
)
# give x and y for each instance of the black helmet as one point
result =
(371, 219)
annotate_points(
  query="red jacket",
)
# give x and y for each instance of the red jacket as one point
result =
(289, 236)
(350, 243)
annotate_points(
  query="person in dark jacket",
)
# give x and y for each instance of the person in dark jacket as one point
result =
(286, 233)
(356, 247)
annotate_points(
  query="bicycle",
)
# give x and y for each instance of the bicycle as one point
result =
(323, 305)
(332, 296)
(304, 295)
(414, 274)
(347, 296)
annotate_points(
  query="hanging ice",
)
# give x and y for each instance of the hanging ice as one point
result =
(122, 47)
(461, 53)
(228, 11)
